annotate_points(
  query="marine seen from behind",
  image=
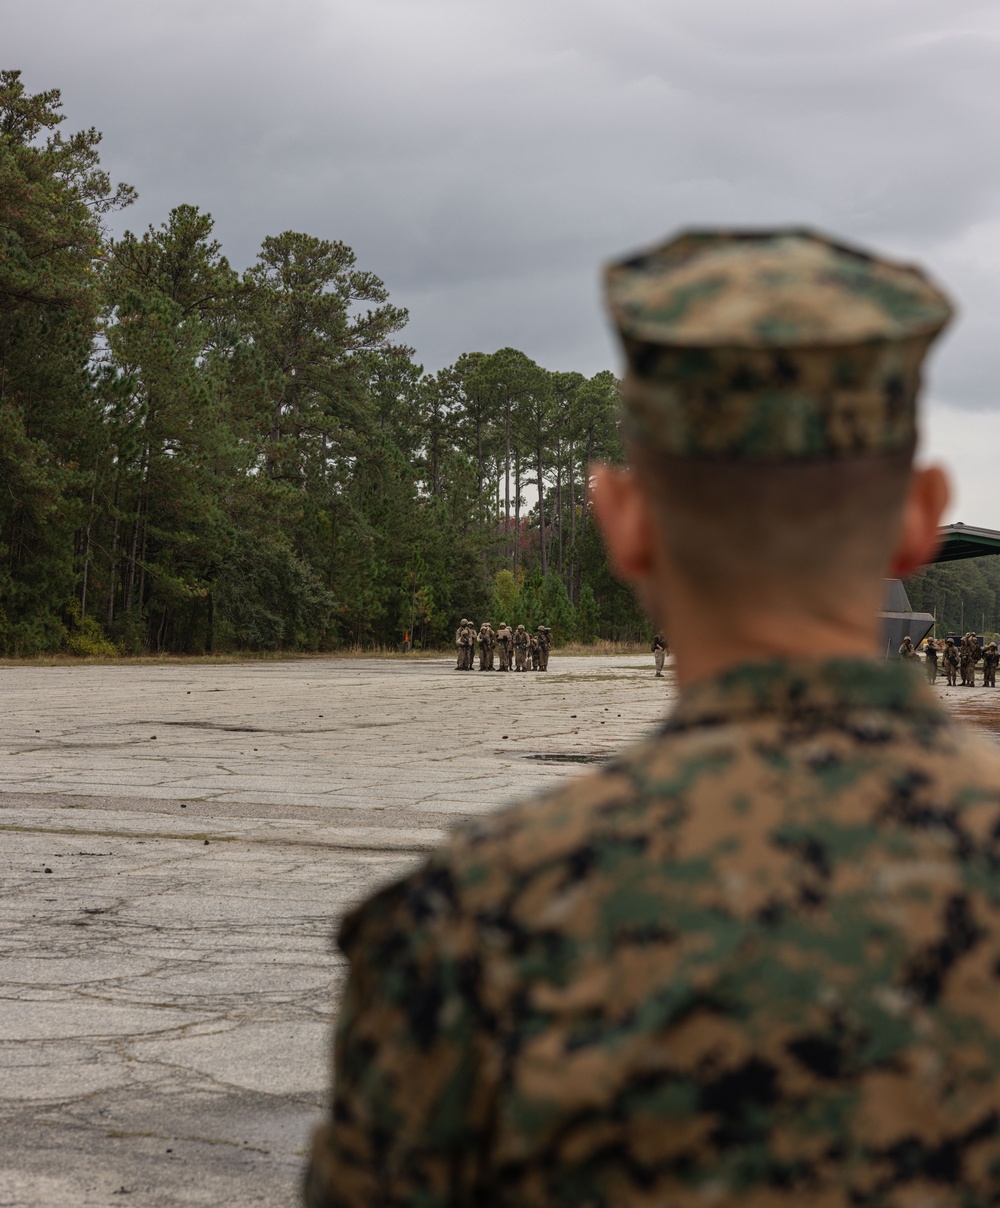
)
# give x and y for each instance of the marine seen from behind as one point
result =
(755, 960)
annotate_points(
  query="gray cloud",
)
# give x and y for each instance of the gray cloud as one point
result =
(484, 158)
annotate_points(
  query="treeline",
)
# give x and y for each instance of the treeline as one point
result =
(195, 459)
(961, 595)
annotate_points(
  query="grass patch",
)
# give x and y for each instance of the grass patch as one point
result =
(390, 654)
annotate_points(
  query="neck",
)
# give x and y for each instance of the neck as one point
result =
(708, 640)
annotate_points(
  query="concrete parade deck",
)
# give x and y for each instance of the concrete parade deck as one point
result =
(178, 842)
(167, 1002)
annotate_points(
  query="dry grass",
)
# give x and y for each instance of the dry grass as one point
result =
(151, 660)
(606, 648)
(600, 648)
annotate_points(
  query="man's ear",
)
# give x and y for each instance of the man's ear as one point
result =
(623, 514)
(918, 535)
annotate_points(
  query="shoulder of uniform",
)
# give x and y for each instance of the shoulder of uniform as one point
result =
(533, 834)
(425, 897)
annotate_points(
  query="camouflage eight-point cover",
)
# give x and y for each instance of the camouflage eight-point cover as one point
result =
(771, 345)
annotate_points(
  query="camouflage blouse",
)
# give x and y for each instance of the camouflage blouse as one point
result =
(753, 961)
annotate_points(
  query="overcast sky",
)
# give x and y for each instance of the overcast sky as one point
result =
(485, 157)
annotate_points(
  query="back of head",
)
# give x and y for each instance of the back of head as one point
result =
(770, 404)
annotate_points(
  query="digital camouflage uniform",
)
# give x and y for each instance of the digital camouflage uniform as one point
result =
(931, 660)
(659, 653)
(521, 644)
(991, 656)
(487, 643)
(951, 662)
(465, 641)
(534, 649)
(504, 641)
(970, 655)
(907, 650)
(544, 646)
(754, 960)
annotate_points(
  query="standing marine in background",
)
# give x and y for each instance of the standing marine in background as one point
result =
(464, 642)
(521, 644)
(487, 644)
(951, 662)
(504, 639)
(906, 649)
(991, 656)
(544, 646)
(970, 655)
(533, 650)
(659, 654)
(470, 645)
(931, 660)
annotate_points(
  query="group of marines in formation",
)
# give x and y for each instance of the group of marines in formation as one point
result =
(957, 660)
(516, 649)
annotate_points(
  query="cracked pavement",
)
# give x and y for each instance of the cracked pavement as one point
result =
(178, 843)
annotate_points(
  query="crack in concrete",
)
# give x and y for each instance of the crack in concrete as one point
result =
(234, 937)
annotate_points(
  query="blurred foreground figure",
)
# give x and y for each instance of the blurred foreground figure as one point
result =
(756, 959)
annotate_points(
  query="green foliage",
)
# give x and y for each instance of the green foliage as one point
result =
(417, 603)
(267, 598)
(85, 638)
(588, 616)
(200, 459)
(531, 600)
(961, 595)
(35, 634)
(506, 597)
(52, 194)
(556, 609)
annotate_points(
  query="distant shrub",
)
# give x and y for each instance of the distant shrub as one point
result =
(85, 638)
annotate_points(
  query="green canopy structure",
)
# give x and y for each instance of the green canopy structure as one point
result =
(960, 541)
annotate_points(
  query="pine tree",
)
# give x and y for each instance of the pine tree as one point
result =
(53, 194)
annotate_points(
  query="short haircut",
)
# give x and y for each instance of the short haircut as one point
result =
(804, 526)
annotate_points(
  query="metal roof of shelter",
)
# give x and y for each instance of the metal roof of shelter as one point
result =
(960, 541)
